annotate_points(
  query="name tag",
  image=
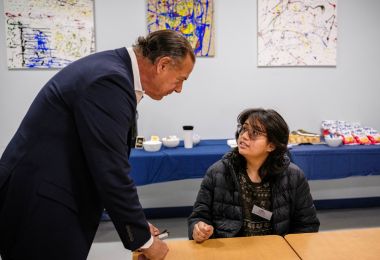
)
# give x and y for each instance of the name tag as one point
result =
(261, 212)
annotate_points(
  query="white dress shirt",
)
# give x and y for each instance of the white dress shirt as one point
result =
(136, 75)
(139, 95)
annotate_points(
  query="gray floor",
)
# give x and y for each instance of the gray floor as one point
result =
(107, 244)
(330, 220)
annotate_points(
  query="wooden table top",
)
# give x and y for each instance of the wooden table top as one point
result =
(257, 247)
(343, 244)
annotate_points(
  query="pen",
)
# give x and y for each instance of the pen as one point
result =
(164, 234)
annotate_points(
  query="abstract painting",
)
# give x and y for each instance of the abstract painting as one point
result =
(193, 18)
(297, 32)
(47, 33)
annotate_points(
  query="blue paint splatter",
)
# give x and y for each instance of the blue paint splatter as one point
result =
(41, 40)
(197, 20)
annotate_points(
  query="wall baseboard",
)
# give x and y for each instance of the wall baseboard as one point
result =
(185, 211)
(347, 203)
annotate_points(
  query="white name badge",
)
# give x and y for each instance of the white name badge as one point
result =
(261, 212)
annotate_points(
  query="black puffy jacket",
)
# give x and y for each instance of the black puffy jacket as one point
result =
(219, 202)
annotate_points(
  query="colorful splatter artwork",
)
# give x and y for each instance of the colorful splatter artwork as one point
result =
(297, 32)
(193, 18)
(48, 34)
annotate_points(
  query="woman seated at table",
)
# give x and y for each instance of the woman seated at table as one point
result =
(254, 189)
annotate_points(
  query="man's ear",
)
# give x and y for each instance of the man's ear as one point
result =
(163, 63)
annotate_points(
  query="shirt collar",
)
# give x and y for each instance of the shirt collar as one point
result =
(136, 73)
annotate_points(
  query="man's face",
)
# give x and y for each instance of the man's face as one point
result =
(169, 77)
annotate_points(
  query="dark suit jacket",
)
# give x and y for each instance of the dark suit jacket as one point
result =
(68, 160)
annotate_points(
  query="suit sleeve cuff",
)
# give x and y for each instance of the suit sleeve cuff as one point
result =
(147, 244)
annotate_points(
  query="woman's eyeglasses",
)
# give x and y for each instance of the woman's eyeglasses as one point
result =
(253, 134)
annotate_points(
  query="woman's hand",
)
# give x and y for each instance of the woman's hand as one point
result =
(202, 231)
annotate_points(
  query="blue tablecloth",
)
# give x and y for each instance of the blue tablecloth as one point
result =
(170, 164)
(319, 162)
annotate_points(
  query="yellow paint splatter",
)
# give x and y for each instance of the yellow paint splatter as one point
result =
(184, 8)
(188, 29)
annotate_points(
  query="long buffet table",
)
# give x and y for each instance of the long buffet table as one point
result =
(319, 162)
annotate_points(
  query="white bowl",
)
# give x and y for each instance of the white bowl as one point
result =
(196, 139)
(333, 141)
(170, 141)
(152, 146)
(232, 143)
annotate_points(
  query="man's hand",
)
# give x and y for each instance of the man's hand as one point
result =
(202, 231)
(157, 251)
(153, 230)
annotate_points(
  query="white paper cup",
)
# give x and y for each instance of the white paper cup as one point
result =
(188, 136)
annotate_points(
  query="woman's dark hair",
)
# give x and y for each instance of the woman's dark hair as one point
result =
(164, 43)
(274, 126)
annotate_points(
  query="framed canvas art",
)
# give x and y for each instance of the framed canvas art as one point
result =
(48, 34)
(297, 33)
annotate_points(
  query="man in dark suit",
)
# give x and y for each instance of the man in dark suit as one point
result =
(69, 158)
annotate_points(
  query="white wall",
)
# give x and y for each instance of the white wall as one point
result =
(220, 87)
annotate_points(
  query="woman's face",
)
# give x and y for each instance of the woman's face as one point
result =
(253, 145)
